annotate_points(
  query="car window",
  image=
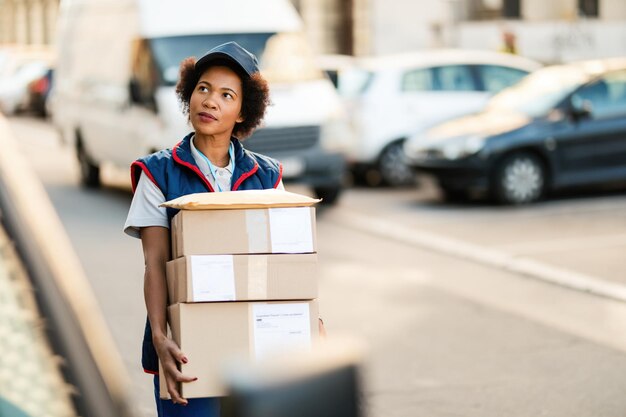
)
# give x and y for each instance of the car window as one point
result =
(454, 78)
(495, 78)
(607, 96)
(420, 79)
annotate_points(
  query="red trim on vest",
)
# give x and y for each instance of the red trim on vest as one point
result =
(245, 175)
(151, 372)
(280, 175)
(192, 167)
(145, 169)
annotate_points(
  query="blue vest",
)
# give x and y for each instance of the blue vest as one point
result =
(176, 173)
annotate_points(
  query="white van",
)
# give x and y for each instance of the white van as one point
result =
(118, 64)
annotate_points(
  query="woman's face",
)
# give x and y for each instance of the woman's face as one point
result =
(215, 104)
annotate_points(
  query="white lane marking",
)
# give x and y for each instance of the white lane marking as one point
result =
(486, 256)
(560, 245)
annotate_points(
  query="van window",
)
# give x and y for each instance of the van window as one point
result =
(170, 51)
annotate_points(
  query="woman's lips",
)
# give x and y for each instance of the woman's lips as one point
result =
(206, 117)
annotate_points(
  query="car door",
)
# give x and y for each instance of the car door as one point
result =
(594, 149)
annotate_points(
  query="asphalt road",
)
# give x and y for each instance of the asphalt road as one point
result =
(460, 306)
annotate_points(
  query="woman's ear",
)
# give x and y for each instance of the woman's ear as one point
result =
(240, 119)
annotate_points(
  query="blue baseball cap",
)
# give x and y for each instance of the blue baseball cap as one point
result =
(233, 52)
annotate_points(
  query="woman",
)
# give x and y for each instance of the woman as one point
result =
(225, 98)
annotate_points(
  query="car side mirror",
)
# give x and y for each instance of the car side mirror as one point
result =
(580, 108)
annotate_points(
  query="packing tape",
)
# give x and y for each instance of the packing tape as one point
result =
(257, 277)
(256, 227)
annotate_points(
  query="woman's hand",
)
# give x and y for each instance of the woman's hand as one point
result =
(170, 355)
(156, 247)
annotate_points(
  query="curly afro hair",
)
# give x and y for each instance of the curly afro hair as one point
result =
(254, 89)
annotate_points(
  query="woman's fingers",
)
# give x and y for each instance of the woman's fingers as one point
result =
(174, 394)
(177, 353)
(173, 377)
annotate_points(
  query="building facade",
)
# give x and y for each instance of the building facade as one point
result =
(28, 22)
(549, 31)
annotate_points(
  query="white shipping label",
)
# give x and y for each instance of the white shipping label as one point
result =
(279, 327)
(213, 277)
(290, 230)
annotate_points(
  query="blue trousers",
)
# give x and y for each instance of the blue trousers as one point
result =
(196, 407)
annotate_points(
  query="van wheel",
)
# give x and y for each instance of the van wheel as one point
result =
(89, 171)
(520, 179)
(329, 195)
(393, 166)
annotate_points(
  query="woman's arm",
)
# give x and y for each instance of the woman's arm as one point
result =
(156, 246)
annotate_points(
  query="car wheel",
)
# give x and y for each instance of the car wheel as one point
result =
(393, 166)
(520, 179)
(329, 195)
(89, 171)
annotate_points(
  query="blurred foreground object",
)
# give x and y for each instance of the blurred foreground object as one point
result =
(563, 126)
(54, 341)
(325, 382)
(391, 97)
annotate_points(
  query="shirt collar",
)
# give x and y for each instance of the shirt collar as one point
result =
(201, 162)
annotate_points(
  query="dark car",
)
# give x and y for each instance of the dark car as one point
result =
(562, 126)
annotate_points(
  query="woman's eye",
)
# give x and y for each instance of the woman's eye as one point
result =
(228, 95)
(202, 88)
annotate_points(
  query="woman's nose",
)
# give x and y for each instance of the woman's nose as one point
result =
(209, 101)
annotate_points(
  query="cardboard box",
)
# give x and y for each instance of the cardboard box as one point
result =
(200, 278)
(244, 231)
(211, 333)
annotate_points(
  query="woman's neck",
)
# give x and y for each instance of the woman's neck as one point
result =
(215, 148)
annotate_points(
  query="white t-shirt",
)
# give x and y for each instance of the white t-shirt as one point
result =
(144, 209)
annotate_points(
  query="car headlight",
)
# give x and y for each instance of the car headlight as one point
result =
(463, 146)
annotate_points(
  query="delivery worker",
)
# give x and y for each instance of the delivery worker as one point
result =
(224, 96)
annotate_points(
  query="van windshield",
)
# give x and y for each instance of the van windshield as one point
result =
(283, 57)
(170, 51)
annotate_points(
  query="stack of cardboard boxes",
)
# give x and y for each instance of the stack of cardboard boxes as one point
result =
(242, 280)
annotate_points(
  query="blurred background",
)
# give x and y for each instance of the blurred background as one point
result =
(471, 155)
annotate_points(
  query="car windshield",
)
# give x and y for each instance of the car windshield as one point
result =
(283, 57)
(353, 82)
(536, 94)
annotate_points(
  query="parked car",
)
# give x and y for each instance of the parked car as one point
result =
(19, 66)
(562, 126)
(114, 100)
(391, 97)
